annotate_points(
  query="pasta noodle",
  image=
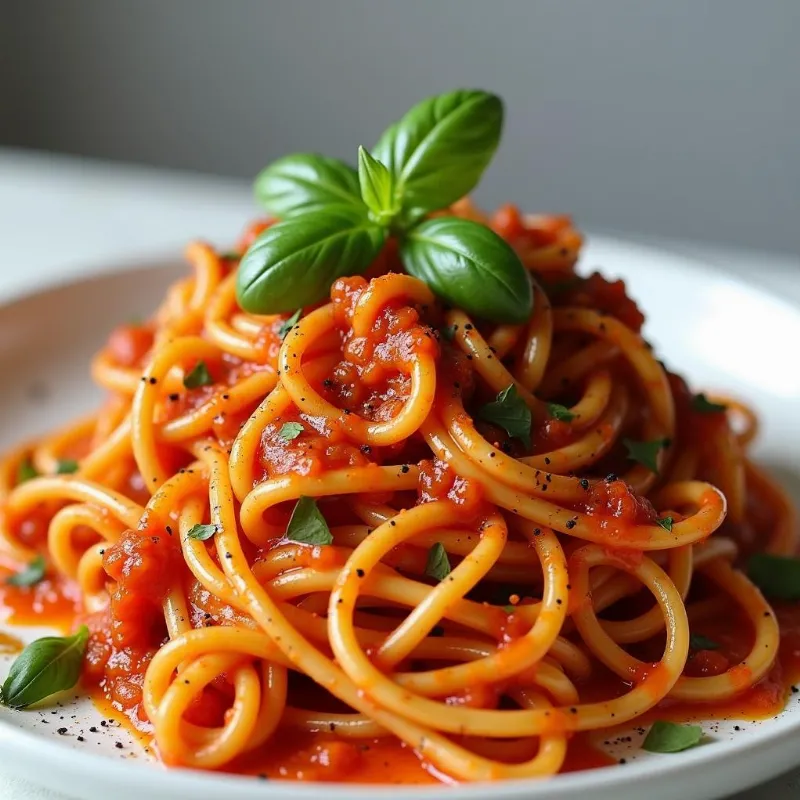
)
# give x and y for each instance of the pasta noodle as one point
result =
(480, 602)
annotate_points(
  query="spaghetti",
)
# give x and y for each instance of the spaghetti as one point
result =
(469, 599)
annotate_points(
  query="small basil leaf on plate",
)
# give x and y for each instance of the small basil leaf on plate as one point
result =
(290, 430)
(705, 406)
(376, 187)
(288, 324)
(307, 524)
(777, 576)
(44, 667)
(295, 262)
(559, 412)
(669, 737)
(66, 466)
(437, 565)
(645, 453)
(198, 376)
(201, 532)
(26, 471)
(509, 412)
(469, 266)
(306, 182)
(29, 575)
(439, 149)
(665, 523)
(699, 642)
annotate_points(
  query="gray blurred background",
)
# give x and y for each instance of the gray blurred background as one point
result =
(679, 118)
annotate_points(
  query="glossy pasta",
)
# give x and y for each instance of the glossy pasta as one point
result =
(574, 575)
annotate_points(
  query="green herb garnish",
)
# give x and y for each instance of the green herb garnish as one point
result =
(44, 667)
(705, 406)
(377, 189)
(699, 642)
(669, 737)
(29, 575)
(199, 376)
(201, 532)
(66, 466)
(776, 576)
(307, 524)
(290, 430)
(665, 523)
(645, 453)
(509, 412)
(335, 219)
(26, 471)
(437, 565)
(288, 324)
(559, 412)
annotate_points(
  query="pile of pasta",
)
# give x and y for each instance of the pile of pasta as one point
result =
(455, 587)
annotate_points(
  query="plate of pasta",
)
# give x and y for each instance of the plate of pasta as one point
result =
(396, 497)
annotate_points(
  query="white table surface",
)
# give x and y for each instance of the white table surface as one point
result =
(61, 217)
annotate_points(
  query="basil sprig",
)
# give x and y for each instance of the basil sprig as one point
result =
(44, 667)
(335, 220)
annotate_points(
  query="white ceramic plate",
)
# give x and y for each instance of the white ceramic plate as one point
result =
(720, 332)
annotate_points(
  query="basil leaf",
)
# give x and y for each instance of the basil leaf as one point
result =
(702, 404)
(66, 466)
(199, 376)
(669, 737)
(201, 532)
(699, 642)
(26, 471)
(437, 565)
(376, 187)
(230, 255)
(304, 182)
(510, 413)
(307, 524)
(645, 453)
(288, 324)
(290, 430)
(295, 262)
(665, 523)
(776, 576)
(44, 667)
(438, 151)
(470, 267)
(559, 412)
(30, 575)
